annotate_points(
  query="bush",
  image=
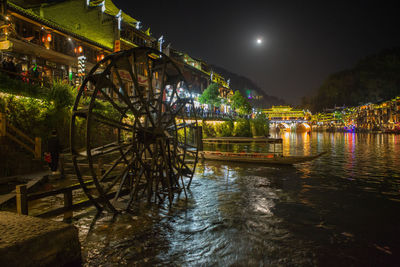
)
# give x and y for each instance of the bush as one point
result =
(260, 125)
(224, 129)
(62, 94)
(208, 130)
(242, 128)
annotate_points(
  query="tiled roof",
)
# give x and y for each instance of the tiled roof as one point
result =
(112, 10)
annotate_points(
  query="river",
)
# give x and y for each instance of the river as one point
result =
(342, 209)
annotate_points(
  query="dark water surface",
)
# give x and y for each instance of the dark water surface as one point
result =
(342, 209)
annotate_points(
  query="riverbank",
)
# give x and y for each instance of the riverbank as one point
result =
(341, 208)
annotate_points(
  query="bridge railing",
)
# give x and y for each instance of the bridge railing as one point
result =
(32, 145)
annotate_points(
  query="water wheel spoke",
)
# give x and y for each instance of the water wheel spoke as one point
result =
(136, 84)
(181, 126)
(107, 83)
(123, 174)
(121, 84)
(126, 100)
(81, 112)
(111, 122)
(186, 170)
(121, 185)
(118, 161)
(105, 149)
(175, 112)
(167, 159)
(149, 78)
(135, 190)
(121, 109)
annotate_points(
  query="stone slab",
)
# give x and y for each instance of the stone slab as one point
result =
(31, 241)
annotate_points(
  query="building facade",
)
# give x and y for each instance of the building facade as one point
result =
(65, 39)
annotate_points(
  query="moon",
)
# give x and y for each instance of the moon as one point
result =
(259, 41)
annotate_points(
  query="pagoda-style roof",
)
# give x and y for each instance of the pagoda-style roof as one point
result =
(112, 10)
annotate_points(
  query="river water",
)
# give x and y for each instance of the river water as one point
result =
(342, 209)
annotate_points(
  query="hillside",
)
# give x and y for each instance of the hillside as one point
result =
(244, 85)
(374, 78)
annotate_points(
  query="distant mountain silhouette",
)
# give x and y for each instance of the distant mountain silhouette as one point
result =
(373, 79)
(243, 84)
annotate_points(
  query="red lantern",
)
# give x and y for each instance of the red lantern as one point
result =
(100, 57)
(78, 50)
(49, 37)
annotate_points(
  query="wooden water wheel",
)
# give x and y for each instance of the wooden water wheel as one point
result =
(131, 131)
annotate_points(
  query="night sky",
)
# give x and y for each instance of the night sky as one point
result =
(303, 41)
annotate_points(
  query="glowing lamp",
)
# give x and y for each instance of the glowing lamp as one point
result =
(78, 49)
(48, 37)
(100, 57)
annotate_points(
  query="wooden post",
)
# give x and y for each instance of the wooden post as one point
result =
(61, 165)
(22, 199)
(38, 148)
(199, 137)
(3, 123)
(99, 168)
(68, 205)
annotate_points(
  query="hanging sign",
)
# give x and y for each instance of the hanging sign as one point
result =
(117, 46)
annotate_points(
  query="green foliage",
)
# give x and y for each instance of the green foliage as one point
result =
(240, 104)
(260, 125)
(225, 129)
(33, 116)
(242, 128)
(62, 94)
(211, 96)
(208, 130)
(37, 114)
(374, 79)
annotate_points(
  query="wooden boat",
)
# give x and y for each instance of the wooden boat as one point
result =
(263, 158)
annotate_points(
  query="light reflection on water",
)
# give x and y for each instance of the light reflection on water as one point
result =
(341, 209)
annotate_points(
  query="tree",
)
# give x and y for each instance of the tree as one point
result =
(211, 96)
(240, 104)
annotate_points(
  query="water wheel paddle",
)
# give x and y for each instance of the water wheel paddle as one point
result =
(139, 141)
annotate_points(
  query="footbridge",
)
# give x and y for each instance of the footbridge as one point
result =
(286, 118)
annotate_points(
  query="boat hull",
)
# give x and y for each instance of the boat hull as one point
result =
(256, 158)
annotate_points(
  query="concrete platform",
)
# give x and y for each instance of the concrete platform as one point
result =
(30, 241)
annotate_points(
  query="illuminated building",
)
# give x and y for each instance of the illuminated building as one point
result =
(52, 36)
(65, 39)
(284, 113)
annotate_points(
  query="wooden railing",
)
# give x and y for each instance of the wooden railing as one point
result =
(23, 197)
(16, 135)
